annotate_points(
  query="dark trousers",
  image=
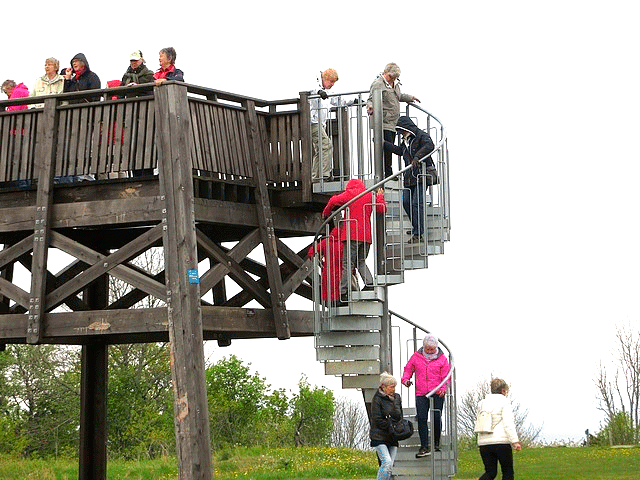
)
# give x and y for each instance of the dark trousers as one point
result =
(491, 455)
(389, 136)
(413, 204)
(422, 413)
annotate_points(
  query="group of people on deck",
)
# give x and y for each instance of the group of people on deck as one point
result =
(79, 77)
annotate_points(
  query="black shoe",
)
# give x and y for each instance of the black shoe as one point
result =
(414, 239)
(344, 297)
(423, 452)
(436, 448)
(367, 288)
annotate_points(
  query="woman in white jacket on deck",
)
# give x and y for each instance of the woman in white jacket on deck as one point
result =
(497, 446)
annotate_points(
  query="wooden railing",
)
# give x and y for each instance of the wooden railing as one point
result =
(118, 135)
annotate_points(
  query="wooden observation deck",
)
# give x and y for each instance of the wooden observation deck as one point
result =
(181, 167)
(211, 178)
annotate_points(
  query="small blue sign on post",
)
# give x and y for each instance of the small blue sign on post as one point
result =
(193, 276)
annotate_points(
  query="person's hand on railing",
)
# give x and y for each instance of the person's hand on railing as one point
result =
(416, 99)
(407, 383)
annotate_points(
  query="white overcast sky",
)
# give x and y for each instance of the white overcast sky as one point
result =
(540, 101)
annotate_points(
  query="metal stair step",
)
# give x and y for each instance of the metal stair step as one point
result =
(360, 352)
(366, 367)
(359, 308)
(390, 279)
(347, 338)
(361, 381)
(354, 323)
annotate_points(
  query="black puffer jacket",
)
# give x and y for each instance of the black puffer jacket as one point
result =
(418, 145)
(382, 407)
(87, 81)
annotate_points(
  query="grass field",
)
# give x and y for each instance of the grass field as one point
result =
(332, 463)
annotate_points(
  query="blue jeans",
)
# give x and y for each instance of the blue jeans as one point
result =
(422, 413)
(413, 203)
(386, 455)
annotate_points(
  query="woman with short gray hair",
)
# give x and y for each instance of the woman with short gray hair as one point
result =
(167, 70)
(385, 406)
(50, 83)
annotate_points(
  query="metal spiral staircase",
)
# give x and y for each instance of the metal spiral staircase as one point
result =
(363, 338)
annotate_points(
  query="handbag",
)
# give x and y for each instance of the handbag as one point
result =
(400, 429)
(483, 422)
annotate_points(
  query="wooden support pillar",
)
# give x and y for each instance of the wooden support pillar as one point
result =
(93, 413)
(265, 222)
(191, 415)
(93, 394)
(45, 158)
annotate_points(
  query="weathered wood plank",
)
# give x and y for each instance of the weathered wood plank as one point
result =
(265, 220)
(305, 129)
(45, 154)
(235, 270)
(101, 264)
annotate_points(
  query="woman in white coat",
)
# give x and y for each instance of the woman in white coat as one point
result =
(497, 446)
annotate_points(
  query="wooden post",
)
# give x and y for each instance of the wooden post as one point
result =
(45, 158)
(93, 394)
(191, 415)
(305, 135)
(93, 413)
(265, 222)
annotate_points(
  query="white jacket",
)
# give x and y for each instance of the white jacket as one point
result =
(504, 427)
(320, 107)
(44, 86)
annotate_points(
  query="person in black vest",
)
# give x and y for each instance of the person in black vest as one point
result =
(80, 77)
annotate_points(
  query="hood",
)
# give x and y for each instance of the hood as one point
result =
(355, 185)
(82, 58)
(406, 124)
(439, 353)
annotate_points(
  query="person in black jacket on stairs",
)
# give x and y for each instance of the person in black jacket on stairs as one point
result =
(386, 405)
(415, 145)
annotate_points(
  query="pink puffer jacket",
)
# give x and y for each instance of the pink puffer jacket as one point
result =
(429, 374)
(21, 91)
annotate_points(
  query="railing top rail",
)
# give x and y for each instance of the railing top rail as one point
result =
(137, 89)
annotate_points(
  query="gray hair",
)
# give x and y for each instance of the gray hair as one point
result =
(170, 52)
(392, 69)
(8, 84)
(53, 61)
(387, 379)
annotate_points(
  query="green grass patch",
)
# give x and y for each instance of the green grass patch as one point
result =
(551, 463)
(561, 463)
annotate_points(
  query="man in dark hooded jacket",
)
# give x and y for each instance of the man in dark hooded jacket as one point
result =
(80, 77)
(415, 145)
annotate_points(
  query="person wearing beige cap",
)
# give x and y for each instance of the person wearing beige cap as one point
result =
(137, 72)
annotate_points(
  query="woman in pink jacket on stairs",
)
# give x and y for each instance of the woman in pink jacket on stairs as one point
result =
(430, 366)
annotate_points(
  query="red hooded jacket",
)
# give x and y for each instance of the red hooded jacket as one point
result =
(359, 212)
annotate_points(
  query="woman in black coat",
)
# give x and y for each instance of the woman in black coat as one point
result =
(386, 405)
(80, 77)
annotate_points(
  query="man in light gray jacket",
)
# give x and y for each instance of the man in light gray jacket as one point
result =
(389, 83)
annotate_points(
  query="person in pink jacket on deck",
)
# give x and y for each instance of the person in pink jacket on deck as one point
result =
(356, 230)
(430, 366)
(14, 91)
